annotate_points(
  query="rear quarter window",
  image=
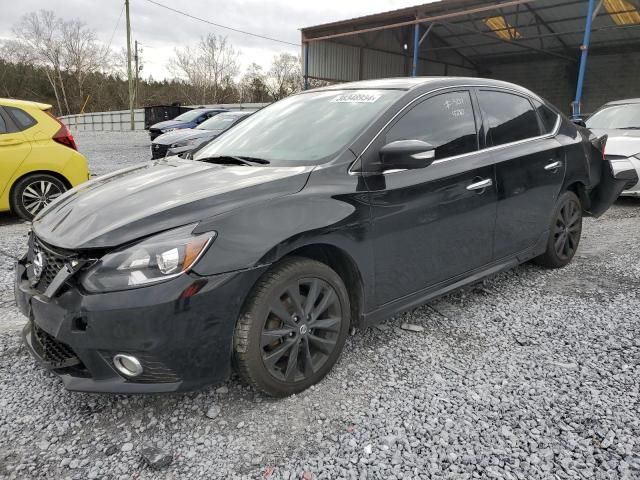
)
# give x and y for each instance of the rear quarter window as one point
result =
(548, 117)
(22, 119)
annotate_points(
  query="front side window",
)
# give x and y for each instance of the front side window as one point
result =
(22, 118)
(623, 117)
(509, 117)
(446, 121)
(303, 129)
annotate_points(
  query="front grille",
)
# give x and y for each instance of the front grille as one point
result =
(153, 133)
(53, 263)
(158, 150)
(54, 352)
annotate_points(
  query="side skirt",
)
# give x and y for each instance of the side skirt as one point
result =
(423, 296)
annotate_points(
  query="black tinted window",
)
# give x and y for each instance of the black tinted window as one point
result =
(22, 118)
(3, 125)
(509, 117)
(548, 116)
(445, 121)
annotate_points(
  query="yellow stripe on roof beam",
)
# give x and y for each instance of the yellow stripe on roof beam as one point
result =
(501, 28)
(622, 12)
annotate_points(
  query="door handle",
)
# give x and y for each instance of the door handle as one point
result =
(481, 185)
(553, 166)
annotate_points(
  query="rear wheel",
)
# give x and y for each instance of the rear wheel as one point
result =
(34, 192)
(564, 234)
(293, 327)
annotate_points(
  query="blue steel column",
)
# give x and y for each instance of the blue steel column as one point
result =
(416, 47)
(306, 65)
(583, 60)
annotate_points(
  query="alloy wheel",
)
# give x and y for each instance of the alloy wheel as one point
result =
(39, 194)
(566, 233)
(301, 329)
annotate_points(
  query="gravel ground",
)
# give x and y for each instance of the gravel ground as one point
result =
(534, 375)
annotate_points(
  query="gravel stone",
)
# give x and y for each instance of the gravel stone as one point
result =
(533, 376)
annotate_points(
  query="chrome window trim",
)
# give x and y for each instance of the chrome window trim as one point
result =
(552, 134)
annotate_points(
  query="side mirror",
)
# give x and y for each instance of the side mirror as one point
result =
(407, 155)
(580, 122)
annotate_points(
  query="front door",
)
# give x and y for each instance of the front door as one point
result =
(530, 167)
(436, 223)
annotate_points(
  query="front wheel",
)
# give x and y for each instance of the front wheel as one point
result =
(292, 328)
(34, 192)
(565, 232)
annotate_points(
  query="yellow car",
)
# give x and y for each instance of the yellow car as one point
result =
(39, 160)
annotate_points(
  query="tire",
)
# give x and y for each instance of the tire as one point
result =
(284, 342)
(564, 232)
(33, 192)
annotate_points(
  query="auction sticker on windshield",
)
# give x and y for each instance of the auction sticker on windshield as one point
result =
(356, 97)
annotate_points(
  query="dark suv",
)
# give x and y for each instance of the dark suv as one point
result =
(331, 209)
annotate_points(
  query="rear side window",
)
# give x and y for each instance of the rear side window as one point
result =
(509, 117)
(547, 116)
(446, 121)
(23, 119)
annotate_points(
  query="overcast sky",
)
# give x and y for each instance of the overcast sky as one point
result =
(159, 30)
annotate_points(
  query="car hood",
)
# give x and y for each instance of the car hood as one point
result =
(181, 135)
(169, 124)
(145, 199)
(625, 143)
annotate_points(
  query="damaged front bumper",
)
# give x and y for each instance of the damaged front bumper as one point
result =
(180, 331)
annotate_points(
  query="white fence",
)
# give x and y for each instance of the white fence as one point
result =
(120, 120)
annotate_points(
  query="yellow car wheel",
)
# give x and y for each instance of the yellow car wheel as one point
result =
(33, 192)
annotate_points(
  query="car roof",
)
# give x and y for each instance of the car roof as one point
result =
(409, 83)
(623, 102)
(12, 102)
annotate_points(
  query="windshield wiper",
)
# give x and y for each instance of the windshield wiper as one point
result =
(234, 160)
(629, 128)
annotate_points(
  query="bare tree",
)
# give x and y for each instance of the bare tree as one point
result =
(41, 33)
(284, 76)
(206, 67)
(252, 86)
(82, 54)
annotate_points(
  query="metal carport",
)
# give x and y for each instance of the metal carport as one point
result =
(541, 44)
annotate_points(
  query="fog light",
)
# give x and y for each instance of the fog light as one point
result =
(127, 365)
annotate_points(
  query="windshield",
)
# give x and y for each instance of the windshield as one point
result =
(616, 116)
(189, 116)
(303, 128)
(219, 122)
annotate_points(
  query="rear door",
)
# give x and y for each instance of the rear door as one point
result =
(436, 223)
(530, 166)
(14, 148)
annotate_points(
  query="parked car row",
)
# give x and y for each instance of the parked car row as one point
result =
(184, 140)
(330, 209)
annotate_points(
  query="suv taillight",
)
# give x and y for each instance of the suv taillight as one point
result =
(63, 135)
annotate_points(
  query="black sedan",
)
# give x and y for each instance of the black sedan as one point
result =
(182, 141)
(331, 209)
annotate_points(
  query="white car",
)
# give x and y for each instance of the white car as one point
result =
(620, 120)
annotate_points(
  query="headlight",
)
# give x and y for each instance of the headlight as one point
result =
(153, 260)
(170, 129)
